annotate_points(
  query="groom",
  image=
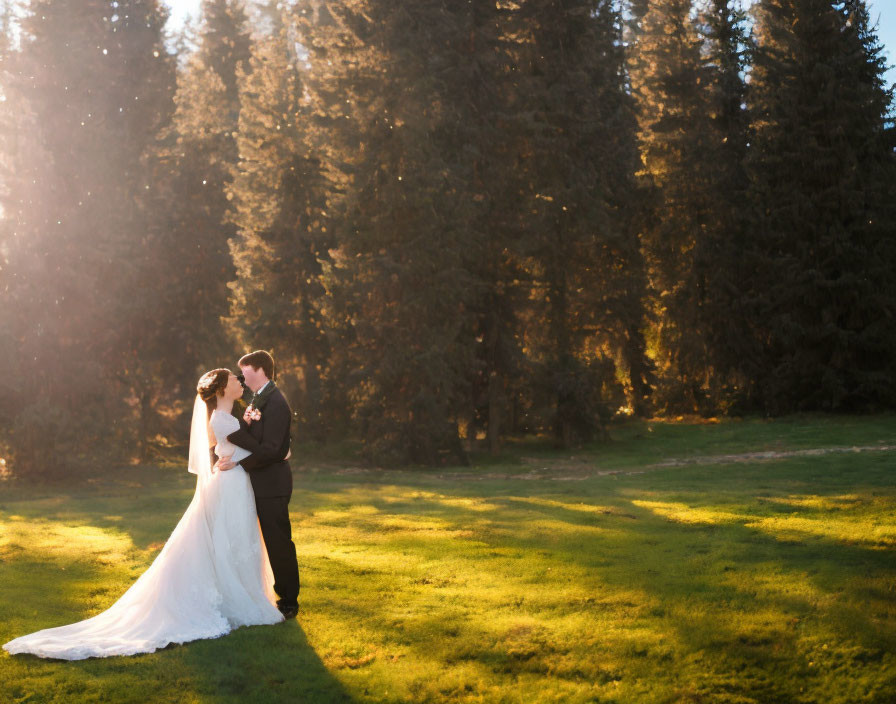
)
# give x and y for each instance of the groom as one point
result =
(266, 422)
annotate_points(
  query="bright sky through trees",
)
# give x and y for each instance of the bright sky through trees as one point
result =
(180, 9)
(882, 12)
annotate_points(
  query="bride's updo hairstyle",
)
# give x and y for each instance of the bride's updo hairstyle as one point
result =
(211, 385)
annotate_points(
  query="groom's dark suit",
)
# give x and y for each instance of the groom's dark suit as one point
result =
(271, 477)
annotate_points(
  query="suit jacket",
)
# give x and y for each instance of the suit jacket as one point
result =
(268, 441)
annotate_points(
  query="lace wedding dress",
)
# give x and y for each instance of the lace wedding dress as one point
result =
(212, 575)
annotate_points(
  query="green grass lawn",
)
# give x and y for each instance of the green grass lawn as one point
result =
(765, 582)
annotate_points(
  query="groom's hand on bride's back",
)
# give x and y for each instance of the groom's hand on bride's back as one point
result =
(224, 463)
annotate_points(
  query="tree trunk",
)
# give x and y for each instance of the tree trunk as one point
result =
(495, 383)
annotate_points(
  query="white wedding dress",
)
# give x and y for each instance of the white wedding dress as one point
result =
(212, 575)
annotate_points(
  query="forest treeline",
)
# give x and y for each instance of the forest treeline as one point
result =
(449, 222)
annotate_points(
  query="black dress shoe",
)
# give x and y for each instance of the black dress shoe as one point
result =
(289, 611)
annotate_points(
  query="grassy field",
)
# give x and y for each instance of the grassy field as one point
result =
(592, 576)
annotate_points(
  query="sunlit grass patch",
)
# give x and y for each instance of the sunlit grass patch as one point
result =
(826, 503)
(682, 513)
(869, 532)
(570, 505)
(62, 542)
(844, 519)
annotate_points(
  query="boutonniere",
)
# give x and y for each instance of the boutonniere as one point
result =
(252, 413)
(259, 401)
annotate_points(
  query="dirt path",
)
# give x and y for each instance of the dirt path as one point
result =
(773, 455)
(572, 469)
(582, 468)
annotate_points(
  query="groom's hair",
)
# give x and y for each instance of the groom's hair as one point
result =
(259, 359)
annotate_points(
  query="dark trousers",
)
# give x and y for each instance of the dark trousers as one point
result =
(273, 517)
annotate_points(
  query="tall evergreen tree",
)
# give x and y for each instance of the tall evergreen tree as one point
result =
(581, 166)
(194, 165)
(668, 79)
(13, 118)
(722, 24)
(279, 205)
(821, 293)
(90, 101)
(481, 139)
(633, 12)
(622, 279)
(144, 333)
(403, 253)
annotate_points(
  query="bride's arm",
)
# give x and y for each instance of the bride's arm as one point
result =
(222, 464)
(213, 458)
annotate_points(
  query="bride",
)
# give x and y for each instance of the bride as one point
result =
(212, 575)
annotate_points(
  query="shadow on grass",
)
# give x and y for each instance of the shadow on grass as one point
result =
(259, 664)
(733, 597)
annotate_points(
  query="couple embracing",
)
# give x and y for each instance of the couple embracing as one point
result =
(230, 561)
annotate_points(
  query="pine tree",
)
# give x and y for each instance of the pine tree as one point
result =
(725, 47)
(194, 164)
(279, 205)
(481, 139)
(633, 12)
(403, 272)
(669, 79)
(821, 291)
(88, 103)
(580, 170)
(143, 333)
(14, 117)
(620, 274)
